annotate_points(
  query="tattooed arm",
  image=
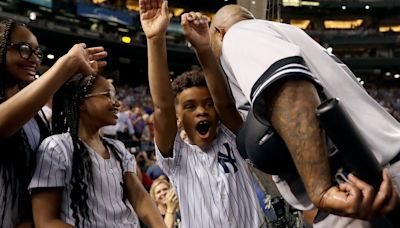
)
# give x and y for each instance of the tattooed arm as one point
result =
(291, 111)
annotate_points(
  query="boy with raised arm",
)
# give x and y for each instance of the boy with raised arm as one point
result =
(213, 183)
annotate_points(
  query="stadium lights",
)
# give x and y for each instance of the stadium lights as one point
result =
(367, 7)
(387, 74)
(329, 50)
(344, 7)
(396, 76)
(392, 28)
(303, 24)
(309, 3)
(343, 24)
(50, 56)
(32, 16)
(126, 39)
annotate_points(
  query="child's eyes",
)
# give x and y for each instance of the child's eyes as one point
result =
(189, 106)
(210, 104)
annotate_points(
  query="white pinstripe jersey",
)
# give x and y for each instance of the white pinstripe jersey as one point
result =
(106, 207)
(257, 53)
(11, 217)
(214, 186)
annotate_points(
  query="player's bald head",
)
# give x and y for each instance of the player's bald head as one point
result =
(231, 14)
(222, 21)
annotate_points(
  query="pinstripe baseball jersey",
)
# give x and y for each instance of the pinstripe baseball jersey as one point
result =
(214, 186)
(257, 53)
(11, 217)
(106, 207)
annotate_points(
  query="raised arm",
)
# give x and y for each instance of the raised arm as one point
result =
(292, 113)
(195, 28)
(21, 107)
(154, 18)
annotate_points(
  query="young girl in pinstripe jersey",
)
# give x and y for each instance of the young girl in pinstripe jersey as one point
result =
(83, 179)
(21, 98)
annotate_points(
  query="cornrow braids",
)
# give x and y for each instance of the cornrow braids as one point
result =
(66, 119)
(16, 168)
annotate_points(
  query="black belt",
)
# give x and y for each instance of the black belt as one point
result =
(395, 159)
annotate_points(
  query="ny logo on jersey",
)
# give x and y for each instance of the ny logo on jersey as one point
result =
(228, 157)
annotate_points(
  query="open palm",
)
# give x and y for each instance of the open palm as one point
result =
(154, 17)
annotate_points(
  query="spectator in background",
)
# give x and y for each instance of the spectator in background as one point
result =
(154, 171)
(167, 202)
(124, 129)
(136, 116)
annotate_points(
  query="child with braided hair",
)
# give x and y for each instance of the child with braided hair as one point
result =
(21, 99)
(83, 179)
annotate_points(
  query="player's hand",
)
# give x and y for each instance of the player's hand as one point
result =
(357, 199)
(154, 16)
(195, 28)
(85, 60)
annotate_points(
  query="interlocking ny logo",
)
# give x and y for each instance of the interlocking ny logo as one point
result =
(227, 157)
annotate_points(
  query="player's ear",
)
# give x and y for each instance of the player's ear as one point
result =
(221, 32)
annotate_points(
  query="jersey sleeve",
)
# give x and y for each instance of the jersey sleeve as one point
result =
(51, 166)
(128, 160)
(170, 165)
(257, 56)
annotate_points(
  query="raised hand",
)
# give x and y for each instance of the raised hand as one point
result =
(172, 201)
(86, 60)
(358, 199)
(195, 28)
(154, 16)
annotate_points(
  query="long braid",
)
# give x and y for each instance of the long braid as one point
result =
(5, 36)
(66, 118)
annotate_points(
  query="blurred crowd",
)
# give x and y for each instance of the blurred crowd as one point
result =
(386, 96)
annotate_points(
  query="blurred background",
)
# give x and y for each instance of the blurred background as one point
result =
(364, 34)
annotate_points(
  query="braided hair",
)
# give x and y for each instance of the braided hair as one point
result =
(16, 167)
(6, 28)
(66, 104)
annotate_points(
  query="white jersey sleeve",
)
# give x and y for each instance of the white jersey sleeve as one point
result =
(254, 57)
(128, 160)
(52, 164)
(169, 165)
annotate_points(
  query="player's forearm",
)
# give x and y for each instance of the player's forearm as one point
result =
(293, 116)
